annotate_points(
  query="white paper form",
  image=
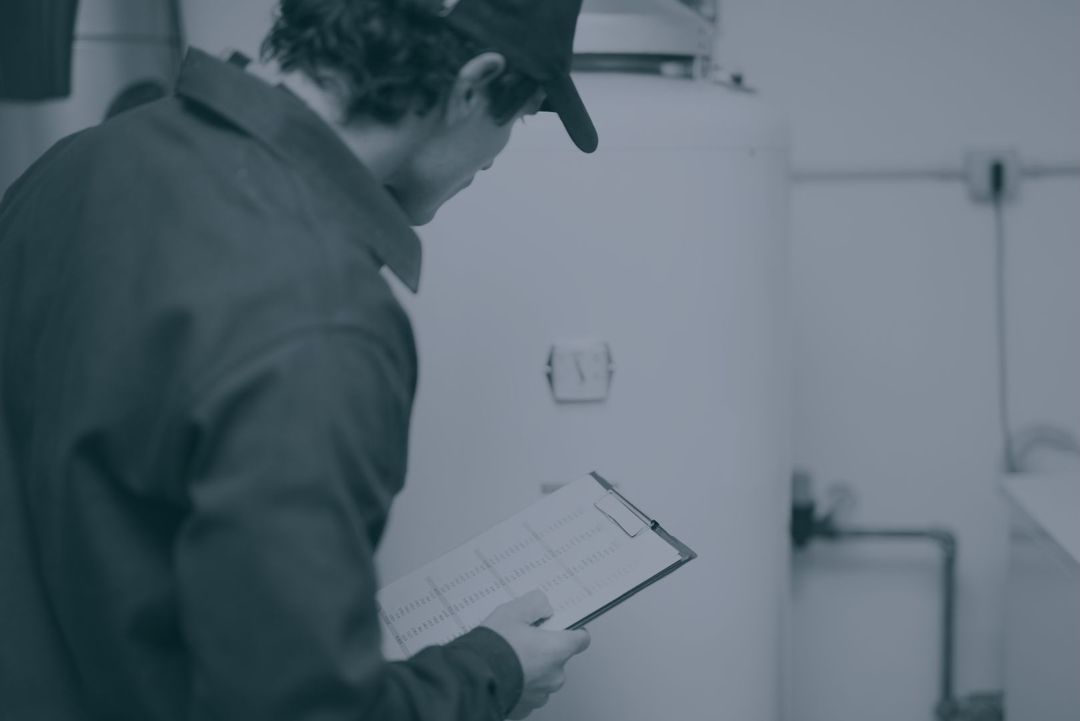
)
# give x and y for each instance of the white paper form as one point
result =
(574, 545)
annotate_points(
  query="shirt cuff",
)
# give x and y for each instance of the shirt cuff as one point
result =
(509, 679)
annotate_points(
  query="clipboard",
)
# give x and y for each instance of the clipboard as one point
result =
(686, 554)
(585, 545)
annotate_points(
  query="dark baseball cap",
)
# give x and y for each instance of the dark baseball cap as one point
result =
(537, 38)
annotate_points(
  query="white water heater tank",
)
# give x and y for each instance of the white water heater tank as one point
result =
(668, 245)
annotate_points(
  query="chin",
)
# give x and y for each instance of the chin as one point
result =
(422, 214)
(423, 217)
(418, 214)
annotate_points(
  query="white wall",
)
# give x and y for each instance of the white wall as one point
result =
(895, 335)
(117, 42)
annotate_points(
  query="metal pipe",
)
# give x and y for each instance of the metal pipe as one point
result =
(946, 541)
(840, 175)
(1051, 171)
(681, 66)
(852, 175)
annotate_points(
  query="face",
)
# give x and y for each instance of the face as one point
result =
(462, 140)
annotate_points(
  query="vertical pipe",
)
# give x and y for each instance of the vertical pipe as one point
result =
(946, 540)
(948, 622)
(1001, 311)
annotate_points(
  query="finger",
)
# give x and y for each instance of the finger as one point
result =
(574, 642)
(538, 700)
(532, 607)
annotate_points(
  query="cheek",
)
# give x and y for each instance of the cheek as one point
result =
(437, 173)
(502, 137)
(473, 154)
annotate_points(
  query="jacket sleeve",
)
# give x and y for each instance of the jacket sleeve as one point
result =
(295, 458)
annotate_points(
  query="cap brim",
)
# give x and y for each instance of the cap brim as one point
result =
(563, 98)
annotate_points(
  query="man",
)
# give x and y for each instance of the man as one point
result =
(206, 382)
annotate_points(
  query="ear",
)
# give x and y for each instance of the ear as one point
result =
(468, 94)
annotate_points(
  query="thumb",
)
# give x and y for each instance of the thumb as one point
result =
(530, 608)
(579, 640)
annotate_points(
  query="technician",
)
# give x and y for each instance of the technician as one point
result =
(206, 382)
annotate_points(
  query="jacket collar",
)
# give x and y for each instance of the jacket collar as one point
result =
(289, 128)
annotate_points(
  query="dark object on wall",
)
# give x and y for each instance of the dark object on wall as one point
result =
(134, 95)
(36, 38)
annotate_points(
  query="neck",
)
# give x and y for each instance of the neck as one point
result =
(383, 149)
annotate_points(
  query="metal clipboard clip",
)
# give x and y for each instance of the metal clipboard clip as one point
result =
(620, 511)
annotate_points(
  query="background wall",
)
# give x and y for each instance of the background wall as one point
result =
(895, 327)
(117, 42)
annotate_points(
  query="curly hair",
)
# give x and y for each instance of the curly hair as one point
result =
(394, 56)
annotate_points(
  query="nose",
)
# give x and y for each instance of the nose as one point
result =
(488, 165)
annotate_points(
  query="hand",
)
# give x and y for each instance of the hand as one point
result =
(542, 653)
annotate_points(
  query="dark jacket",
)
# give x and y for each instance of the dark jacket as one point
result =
(205, 390)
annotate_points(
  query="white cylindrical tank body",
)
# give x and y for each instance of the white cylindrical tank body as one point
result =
(669, 244)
